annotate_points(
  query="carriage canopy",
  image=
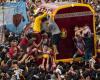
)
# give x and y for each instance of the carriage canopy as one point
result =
(67, 15)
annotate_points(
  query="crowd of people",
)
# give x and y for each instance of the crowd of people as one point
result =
(83, 41)
(31, 56)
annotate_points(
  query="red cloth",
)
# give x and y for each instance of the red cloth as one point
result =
(12, 51)
(24, 41)
(81, 52)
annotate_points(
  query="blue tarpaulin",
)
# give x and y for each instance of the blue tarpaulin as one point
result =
(11, 9)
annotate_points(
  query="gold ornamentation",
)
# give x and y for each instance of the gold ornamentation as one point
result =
(63, 33)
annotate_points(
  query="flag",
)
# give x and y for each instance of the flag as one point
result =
(11, 9)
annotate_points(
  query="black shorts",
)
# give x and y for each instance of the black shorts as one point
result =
(55, 39)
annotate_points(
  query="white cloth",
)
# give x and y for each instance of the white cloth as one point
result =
(99, 25)
(92, 62)
(18, 72)
(87, 31)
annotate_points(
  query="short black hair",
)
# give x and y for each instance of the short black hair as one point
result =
(42, 32)
(44, 19)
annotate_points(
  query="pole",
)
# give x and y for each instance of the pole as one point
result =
(2, 28)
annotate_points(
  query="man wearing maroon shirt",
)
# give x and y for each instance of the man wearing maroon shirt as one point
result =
(34, 47)
(23, 43)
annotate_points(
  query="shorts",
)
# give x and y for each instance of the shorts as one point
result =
(45, 56)
(55, 39)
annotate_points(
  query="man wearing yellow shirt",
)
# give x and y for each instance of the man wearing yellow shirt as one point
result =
(38, 22)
